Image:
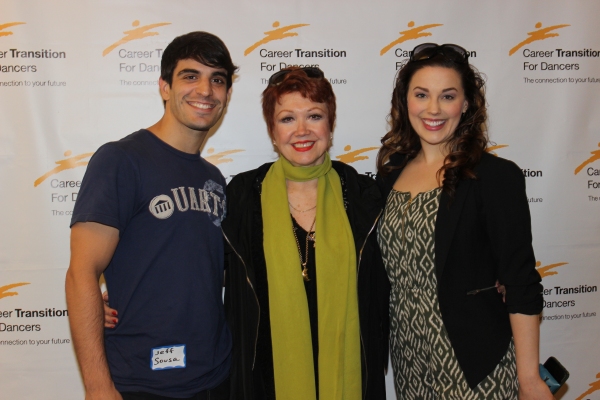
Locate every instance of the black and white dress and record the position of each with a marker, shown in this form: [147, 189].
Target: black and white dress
[424, 363]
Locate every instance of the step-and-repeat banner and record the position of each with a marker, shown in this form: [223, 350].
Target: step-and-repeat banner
[74, 75]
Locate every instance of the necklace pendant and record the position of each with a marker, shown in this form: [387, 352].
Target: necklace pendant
[305, 273]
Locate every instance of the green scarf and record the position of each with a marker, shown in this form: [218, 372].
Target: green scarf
[337, 300]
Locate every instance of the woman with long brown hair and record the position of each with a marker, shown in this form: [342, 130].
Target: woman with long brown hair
[456, 226]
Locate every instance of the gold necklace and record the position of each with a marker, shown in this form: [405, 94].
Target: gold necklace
[302, 211]
[308, 237]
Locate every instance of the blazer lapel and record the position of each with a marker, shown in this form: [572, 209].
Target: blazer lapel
[445, 225]
[387, 183]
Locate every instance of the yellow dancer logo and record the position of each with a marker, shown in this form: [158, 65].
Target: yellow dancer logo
[67, 163]
[594, 386]
[216, 159]
[539, 34]
[140, 32]
[4, 290]
[595, 157]
[353, 156]
[410, 34]
[492, 149]
[8, 25]
[546, 269]
[275, 34]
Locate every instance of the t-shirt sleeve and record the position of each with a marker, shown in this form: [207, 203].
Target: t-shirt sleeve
[108, 189]
[224, 183]
[218, 177]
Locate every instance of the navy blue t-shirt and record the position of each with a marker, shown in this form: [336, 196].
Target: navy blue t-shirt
[166, 276]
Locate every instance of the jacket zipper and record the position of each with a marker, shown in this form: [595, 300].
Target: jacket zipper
[253, 292]
[357, 273]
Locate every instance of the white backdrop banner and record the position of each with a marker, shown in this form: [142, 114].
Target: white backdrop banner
[74, 75]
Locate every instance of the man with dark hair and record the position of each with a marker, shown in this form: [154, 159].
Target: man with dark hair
[199, 46]
[148, 216]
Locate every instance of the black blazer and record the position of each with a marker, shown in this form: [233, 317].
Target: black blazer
[482, 235]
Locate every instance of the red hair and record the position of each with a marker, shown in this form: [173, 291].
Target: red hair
[318, 90]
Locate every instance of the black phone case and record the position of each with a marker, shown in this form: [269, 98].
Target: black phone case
[554, 374]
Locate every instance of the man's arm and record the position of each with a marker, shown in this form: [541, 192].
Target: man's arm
[92, 248]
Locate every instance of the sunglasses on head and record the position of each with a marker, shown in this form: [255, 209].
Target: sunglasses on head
[311, 72]
[426, 51]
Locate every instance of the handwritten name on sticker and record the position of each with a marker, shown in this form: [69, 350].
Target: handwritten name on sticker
[167, 357]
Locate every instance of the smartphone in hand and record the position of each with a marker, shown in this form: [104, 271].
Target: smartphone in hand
[554, 374]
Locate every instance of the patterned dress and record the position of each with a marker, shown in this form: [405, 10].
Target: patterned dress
[424, 363]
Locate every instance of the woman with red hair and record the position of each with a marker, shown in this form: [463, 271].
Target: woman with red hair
[306, 292]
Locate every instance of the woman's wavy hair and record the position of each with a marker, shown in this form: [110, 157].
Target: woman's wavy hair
[469, 140]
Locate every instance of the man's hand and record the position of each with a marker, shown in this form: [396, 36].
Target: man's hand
[501, 290]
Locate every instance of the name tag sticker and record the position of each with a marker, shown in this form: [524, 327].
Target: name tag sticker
[167, 357]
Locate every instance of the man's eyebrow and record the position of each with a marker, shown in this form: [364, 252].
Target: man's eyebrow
[188, 71]
[197, 72]
[220, 73]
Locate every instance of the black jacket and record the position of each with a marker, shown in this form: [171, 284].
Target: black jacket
[246, 294]
[482, 235]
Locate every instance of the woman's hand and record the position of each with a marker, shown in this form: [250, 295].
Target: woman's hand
[534, 388]
[110, 315]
